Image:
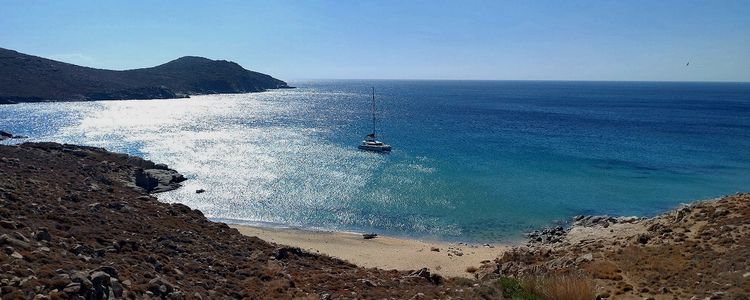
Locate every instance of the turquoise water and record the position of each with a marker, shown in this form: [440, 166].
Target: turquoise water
[479, 161]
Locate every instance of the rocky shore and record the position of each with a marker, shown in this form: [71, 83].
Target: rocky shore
[698, 251]
[81, 223]
[77, 223]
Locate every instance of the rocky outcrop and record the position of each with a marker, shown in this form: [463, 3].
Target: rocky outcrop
[27, 78]
[4, 135]
[157, 180]
[696, 251]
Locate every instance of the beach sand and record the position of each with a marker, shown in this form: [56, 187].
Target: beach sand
[382, 252]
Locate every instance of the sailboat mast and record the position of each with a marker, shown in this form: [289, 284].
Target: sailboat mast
[373, 111]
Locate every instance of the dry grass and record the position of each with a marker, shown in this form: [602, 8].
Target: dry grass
[559, 287]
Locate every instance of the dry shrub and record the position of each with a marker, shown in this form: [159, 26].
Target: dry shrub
[559, 287]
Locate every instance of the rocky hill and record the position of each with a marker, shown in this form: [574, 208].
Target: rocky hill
[77, 223]
[698, 251]
[27, 78]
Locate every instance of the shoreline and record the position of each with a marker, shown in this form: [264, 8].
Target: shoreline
[384, 252]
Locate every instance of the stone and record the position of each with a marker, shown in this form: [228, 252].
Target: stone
[12, 225]
[160, 286]
[117, 288]
[72, 288]
[16, 255]
[368, 283]
[5, 239]
[435, 249]
[99, 278]
[158, 180]
[200, 191]
[81, 278]
[111, 271]
[43, 235]
[643, 238]
[585, 258]
[369, 236]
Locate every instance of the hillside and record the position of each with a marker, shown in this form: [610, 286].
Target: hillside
[77, 223]
[698, 251]
[27, 78]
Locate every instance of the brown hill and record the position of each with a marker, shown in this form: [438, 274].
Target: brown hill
[73, 225]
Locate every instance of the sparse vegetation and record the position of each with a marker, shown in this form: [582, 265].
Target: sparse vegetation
[553, 287]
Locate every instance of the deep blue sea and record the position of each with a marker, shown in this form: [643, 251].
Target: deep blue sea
[477, 161]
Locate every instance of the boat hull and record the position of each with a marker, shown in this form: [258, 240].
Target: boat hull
[380, 148]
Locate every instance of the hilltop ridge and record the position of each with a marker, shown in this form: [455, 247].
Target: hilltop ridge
[28, 78]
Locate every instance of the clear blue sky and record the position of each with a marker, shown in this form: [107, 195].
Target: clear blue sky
[544, 40]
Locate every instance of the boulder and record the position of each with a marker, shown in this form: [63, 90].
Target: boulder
[43, 235]
[158, 180]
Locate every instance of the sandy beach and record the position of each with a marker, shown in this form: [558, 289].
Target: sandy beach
[383, 252]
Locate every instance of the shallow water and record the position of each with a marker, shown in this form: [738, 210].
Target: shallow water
[472, 160]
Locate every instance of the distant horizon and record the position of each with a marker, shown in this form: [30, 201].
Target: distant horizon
[549, 80]
[673, 41]
[402, 79]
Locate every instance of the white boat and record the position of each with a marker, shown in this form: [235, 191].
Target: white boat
[371, 143]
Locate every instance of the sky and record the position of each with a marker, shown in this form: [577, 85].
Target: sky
[381, 39]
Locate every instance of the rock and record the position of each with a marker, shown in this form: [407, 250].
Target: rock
[368, 236]
[585, 258]
[664, 290]
[5, 239]
[111, 271]
[81, 249]
[81, 278]
[368, 283]
[72, 288]
[720, 212]
[435, 249]
[12, 225]
[425, 273]
[99, 278]
[16, 255]
[160, 286]
[157, 180]
[5, 135]
[43, 235]
[643, 238]
[200, 191]
[161, 166]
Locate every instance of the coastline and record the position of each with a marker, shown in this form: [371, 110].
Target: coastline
[383, 252]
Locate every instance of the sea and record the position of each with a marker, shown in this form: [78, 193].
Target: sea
[472, 161]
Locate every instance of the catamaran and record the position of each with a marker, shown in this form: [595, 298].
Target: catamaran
[370, 143]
